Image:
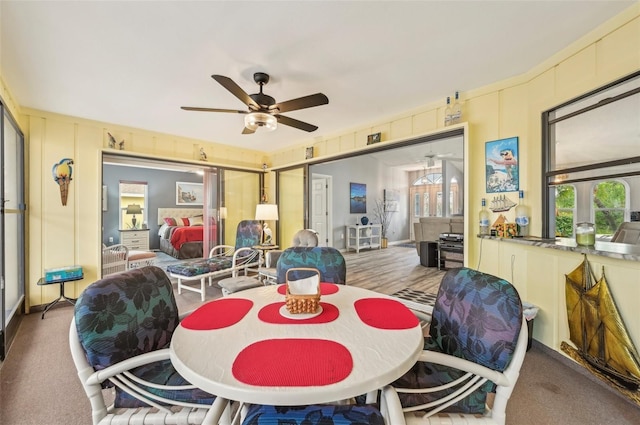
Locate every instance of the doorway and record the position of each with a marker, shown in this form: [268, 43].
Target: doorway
[321, 195]
[12, 230]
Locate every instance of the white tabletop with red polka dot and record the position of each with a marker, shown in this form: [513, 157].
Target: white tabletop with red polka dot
[247, 347]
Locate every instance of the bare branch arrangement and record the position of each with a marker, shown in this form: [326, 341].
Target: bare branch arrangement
[383, 216]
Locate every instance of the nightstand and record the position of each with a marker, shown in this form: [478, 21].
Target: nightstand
[135, 239]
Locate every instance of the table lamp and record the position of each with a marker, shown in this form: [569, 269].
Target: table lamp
[134, 209]
[266, 212]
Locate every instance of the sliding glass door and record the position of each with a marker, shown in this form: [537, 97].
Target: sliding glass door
[12, 234]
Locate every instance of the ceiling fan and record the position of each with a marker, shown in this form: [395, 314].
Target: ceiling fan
[263, 110]
[430, 162]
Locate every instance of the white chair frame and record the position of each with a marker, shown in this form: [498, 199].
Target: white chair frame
[174, 413]
[476, 376]
[115, 259]
[238, 264]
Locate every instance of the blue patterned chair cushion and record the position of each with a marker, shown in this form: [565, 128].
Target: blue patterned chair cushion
[127, 314]
[202, 266]
[476, 317]
[313, 415]
[329, 261]
[248, 233]
[162, 373]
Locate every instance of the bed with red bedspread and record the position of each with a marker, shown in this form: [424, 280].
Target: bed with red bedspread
[184, 241]
[181, 232]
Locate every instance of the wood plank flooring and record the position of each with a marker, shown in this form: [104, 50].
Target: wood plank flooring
[382, 270]
[390, 270]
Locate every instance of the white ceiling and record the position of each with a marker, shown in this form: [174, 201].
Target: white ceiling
[136, 63]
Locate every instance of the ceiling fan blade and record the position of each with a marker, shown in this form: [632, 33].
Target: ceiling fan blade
[236, 90]
[301, 125]
[195, 108]
[247, 131]
[301, 103]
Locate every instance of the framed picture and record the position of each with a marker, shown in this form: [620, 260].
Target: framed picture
[357, 198]
[374, 138]
[189, 193]
[501, 165]
[308, 152]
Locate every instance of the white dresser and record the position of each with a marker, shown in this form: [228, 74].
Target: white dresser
[135, 239]
[363, 236]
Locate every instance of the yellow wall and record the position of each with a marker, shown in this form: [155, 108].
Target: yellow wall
[65, 235]
[513, 108]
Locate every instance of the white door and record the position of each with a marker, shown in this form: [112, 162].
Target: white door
[320, 220]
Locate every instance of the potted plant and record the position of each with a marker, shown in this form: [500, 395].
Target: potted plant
[383, 216]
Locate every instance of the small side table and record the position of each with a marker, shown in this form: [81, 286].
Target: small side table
[62, 296]
[263, 251]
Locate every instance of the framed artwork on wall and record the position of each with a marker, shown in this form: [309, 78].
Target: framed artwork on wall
[189, 193]
[501, 165]
[374, 138]
[357, 198]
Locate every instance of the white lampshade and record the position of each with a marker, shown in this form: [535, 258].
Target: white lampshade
[266, 212]
[255, 120]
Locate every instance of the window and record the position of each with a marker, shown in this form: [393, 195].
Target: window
[133, 197]
[565, 197]
[610, 206]
[425, 202]
[592, 159]
[416, 205]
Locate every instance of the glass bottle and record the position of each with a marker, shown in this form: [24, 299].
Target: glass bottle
[447, 112]
[522, 216]
[484, 219]
[456, 110]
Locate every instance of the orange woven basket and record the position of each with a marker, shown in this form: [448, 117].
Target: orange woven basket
[302, 303]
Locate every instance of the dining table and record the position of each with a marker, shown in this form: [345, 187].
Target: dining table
[247, 347]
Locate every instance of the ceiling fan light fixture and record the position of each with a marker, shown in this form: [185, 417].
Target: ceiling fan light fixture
[255, 120]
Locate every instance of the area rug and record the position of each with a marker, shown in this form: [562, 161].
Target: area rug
[416, 300]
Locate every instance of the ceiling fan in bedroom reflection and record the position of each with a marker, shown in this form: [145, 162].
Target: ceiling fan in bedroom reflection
[263, 110]
[429, 159]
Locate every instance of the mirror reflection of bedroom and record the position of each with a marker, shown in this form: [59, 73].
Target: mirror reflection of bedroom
[160, 207]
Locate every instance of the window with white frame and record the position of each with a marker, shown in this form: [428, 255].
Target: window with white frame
[565, 197]
[610, 206]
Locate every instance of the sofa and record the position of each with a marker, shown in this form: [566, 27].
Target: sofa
[428, 229]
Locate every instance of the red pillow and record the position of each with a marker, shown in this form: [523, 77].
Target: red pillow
[185, 221]
[170, 221]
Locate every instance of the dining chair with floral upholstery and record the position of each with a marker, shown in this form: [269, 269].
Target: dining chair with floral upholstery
[119, 339]
[329, 262]
[476, 345]
[304, 238]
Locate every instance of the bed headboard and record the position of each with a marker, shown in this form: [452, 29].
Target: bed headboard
[177, 213]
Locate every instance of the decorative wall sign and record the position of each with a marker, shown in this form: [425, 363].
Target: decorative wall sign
[189, 193]
[357, 198]
[374, 138]
[501, 165]
[62, 172]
